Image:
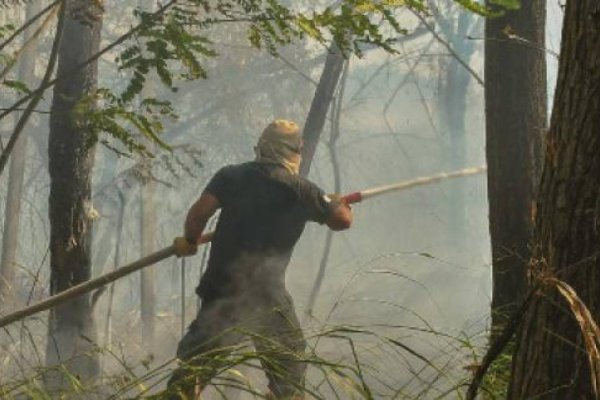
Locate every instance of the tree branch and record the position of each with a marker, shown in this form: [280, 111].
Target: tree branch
[36, 98]
[26, 25]
[28, 43]
[449, 48]
[93, 58]
[36, 95]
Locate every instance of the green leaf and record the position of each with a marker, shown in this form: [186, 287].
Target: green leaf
[309, 27]
[164, 74]
[254, 36]
[17, 85]
[477, 8]
[507, 4]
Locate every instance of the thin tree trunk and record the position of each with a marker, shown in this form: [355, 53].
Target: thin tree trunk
[550, 361]
[12, 211]
[320, 106]
[71, 328]
[515, 123]
[337, 187]
[116, 262]
[148, 235]
[453, 96]
[148, 284]
[324, 94]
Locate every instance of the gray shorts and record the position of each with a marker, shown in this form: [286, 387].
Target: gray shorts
[221, 326]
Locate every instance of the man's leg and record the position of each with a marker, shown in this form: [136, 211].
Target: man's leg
[203, 348]
[281, 343]
[194, 364]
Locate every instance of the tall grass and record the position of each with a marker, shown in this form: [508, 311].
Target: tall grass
[351, 362]
[413, 360]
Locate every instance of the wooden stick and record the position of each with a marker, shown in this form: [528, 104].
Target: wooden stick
[96, 283]
[87, 286]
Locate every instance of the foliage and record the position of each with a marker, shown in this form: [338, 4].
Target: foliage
[6, 29]
[347, 374]
[116, 116]
[493, 8]
[496, 380]
[9, 3]
[508, 4]
[172, 43]
[181, 162]
[17, 86]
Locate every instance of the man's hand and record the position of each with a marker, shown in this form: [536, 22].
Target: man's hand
[341, 216]
[338, 198]
[183, 248]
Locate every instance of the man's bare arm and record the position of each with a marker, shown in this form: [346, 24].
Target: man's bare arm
[198, 216]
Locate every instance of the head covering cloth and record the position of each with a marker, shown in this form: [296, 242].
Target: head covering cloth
[280, 143]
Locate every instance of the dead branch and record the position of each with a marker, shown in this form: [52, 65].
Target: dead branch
[444, 43]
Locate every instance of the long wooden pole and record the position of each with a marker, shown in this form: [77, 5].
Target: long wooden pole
[93, 284]
[170, 250]
[87, 286]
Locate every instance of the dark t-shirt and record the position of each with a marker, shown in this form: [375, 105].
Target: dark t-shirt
[264, 210]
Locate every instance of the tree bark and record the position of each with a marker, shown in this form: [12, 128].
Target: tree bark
[12, 211]
[515, 123]
[452, 98]
[148, 235]
[337, 187]
[550, 361]
[148, 284]
[320, 106]
[453, 93]
[71, 329]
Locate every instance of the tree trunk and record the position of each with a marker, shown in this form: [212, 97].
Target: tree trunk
[550, 361]
[337, 186]
[515, 123]
[71, 330]
[148, 234]
[12, 211]
[454, 108]
[148, 285]
[453, 95]
[320, 106]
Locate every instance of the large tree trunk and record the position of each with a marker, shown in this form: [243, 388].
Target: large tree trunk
[12, 211]
[550, 361]
[515, 98]
[71, 330]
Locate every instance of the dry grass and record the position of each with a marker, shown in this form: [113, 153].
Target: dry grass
[587, 325]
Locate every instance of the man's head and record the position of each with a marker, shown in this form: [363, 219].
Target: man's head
[280, 143]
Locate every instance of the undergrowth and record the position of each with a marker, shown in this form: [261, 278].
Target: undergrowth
[370, 361]
[346, 362]
[495, 382]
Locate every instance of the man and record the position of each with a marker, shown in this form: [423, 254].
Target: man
[264, 207]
